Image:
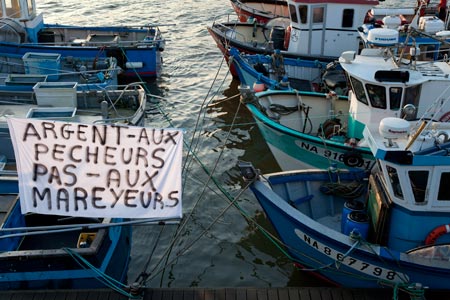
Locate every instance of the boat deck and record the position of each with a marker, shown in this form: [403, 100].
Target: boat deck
[289, 293]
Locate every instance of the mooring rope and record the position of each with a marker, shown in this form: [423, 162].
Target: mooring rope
[102, 277]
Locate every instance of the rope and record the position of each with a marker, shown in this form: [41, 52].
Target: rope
[350, 190]
[282, 109]
[143, 275]
[102, 277]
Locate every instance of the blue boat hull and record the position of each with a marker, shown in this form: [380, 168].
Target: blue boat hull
[339, 258]
[57, 259]
[149, 56]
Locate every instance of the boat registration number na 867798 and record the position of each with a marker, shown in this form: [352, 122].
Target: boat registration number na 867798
[351, 262]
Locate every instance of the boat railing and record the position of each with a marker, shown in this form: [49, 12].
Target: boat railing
[123, 92]
[85, 43]
[227, 17]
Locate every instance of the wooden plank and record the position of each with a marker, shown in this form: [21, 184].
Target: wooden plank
[188, 294]
[177, 294]
[199, 294]
[283, 294]
[231, 293]
[155, 295]
[220, 294]
[327, 293]
[315, 294]
[289, 293]
[304, 294]
[251, 294]
[209, 294]
[273, 294]
[241, 294]
[261, 294]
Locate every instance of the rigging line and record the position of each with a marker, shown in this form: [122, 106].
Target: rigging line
[210, 178]
[223, 100]
[188, 246]
[185, 171]
[136, 72]
[102, 277]
[188, 162]
[144, 273]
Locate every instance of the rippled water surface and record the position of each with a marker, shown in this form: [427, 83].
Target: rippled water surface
[216, 245]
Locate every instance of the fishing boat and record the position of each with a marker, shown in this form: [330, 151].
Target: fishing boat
[50, 251]
[137, 49]
[19, 74]
[275, 72]
[310, 129]
[385, 227]
[306, 129]
[54, 252]
[118, 105]
[82, 167]
[312, 32]
[260, 11]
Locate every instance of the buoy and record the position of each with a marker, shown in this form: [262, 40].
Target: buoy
[259, 86]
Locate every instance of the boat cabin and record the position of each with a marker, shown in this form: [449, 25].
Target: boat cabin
[325, 28]
[412, 184]
[19, 22]
[382, 87]
[21, 10]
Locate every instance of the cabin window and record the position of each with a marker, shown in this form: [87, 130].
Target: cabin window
[430, 53]
[411, 97]
[395, 97]
[318, 13]
[419, 180]
[30, 7]
[347, 18]
[12, 8]
[444, 190]
[377, 95]
[303, 11]
[395, 182]
[293, 13]
[358, 89]
[444, 52]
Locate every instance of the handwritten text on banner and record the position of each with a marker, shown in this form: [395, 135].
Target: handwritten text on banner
[97, 170]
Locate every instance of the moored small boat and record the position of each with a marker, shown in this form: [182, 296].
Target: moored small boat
[314, 129]
[322, 31]
[261, 11]
[120, 105]
[19, 74]
[54, 252]
[137, 49]
[276, 72]
[385, 227]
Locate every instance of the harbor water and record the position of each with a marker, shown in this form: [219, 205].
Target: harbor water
[218, 243]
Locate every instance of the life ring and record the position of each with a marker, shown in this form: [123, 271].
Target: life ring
[352, 159]
[287, 37]
[437, 233]
[445, 117]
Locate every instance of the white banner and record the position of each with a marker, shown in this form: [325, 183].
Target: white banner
[85, 170]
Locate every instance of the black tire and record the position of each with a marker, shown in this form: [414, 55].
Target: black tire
[353, 159]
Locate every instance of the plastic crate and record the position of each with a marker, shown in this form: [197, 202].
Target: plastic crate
[56, 94]
[43, 63]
